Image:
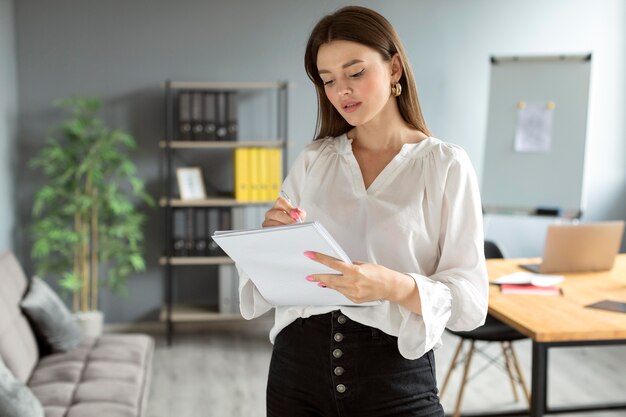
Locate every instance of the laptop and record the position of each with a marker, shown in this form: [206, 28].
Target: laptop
[583, 247]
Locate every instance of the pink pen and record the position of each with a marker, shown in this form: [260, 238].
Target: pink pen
[293, 213]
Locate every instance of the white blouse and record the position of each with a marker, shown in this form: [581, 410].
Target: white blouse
[421, 216]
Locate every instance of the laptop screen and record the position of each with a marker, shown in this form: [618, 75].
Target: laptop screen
[581, 247]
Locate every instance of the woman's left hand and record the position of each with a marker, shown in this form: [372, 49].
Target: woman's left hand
[359, 282]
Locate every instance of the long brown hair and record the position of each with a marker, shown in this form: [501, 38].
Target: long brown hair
[369, 28]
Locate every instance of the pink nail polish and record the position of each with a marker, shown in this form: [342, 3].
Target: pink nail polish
[321, 285]
[310, 255]
[310, 278]
[295, 214]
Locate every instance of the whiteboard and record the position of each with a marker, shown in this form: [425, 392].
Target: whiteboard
[514, 181]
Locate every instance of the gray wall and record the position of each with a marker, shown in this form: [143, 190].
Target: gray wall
[8, 122]
[123, 51]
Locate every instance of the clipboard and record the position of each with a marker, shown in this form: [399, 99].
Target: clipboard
[274, 259]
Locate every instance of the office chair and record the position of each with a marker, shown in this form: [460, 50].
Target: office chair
[492, 331]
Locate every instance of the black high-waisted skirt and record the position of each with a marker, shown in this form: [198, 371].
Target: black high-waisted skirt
[328, 365]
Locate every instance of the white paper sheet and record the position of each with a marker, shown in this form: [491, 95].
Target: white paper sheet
[534, 128]
[274, 259]
[521, 278]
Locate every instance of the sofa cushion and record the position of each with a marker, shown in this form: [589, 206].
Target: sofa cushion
[18, 346]
[108, 376]
[16, 400]
[50, 317]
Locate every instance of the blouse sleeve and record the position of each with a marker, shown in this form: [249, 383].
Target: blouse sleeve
[251, 302]
[456, 295]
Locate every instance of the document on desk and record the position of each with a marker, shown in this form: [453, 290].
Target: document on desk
[274, 259]
[528, 278]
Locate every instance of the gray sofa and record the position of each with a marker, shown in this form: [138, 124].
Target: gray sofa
[106, 376]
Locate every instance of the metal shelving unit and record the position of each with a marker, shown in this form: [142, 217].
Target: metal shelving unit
[173, 310]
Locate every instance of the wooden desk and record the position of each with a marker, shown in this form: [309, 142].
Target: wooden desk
[561, 321]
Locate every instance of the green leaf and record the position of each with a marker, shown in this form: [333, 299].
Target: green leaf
[137, 262]
[127, 168]
[71, 282]
[41, 249]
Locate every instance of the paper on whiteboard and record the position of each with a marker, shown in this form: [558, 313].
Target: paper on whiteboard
[534, 128]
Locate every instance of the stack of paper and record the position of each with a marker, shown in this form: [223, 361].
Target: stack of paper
[529, 283]
[529, 289]
[274, 259]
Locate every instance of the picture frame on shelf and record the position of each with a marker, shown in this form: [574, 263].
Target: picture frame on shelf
[190, 183]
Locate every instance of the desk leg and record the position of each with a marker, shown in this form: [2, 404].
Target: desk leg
[539, 380]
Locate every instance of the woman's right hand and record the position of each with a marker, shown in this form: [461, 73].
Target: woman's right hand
[282, 213]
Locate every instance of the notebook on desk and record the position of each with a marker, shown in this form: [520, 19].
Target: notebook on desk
[579, 247]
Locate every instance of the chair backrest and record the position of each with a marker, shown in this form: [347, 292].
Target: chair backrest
[492, 251]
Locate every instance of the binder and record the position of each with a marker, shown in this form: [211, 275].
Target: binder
[275, 172]
[253, 163]
[178, 232]
[201, 232]
[184, 116]
[190, 243]
[225, 218]
[225, 223]
[208, 240]
[221, 132]
[274, 259]
[242, 174]
[231, 115]
[209, 116]
[197, 119]
[263, 175]
[213, 225]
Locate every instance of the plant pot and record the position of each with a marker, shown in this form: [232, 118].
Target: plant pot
[90, 323]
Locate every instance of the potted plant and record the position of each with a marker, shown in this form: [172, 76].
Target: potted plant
[87, 229]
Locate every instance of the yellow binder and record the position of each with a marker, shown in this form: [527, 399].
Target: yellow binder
[263, 174]
[275, 172]
[255, 190]
[242, 174]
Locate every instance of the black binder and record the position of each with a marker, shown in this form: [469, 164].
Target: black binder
[178, 232]
[221, 111]
[197, 116]
[200, 242]
[226, 223]
[183, 122]
[189, 232]
[209, 116]
[231, 115]
[214, 224]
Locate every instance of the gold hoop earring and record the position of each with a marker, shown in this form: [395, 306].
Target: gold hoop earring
[396, 89]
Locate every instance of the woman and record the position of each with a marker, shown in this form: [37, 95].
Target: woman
[400, 201]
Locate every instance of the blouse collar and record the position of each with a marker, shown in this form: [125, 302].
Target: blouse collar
[408, 150]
